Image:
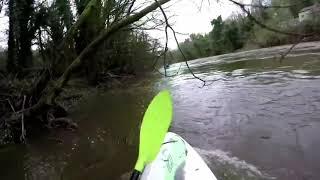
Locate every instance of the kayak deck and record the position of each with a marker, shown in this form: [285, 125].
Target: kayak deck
[177, 160]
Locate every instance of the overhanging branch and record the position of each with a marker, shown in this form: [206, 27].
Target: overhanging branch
[55, 91]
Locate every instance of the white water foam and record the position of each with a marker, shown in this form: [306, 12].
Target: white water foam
[225, 158]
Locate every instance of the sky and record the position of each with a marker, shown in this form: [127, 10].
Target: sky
[3, 29]
[188, 18]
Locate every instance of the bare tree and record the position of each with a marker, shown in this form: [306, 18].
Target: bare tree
[47, 99]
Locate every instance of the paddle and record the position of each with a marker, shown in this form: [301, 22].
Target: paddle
[154, 127]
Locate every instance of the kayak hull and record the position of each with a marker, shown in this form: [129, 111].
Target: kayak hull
[177, 160]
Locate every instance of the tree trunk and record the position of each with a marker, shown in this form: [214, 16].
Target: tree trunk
[12, 59]
[20, 37]
[25, 12]
[89, 30]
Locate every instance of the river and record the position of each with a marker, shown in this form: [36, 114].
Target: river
[257, 118]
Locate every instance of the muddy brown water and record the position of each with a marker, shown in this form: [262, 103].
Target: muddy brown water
[259, 119]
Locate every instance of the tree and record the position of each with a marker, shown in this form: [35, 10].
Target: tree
[297, 5]
[12, 63]
[231, 37]
[25, 13]
[89, 30]
[41, 97]
[24, 21]
[216, 35]
[20, 35]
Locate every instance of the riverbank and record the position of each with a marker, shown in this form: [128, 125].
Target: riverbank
[76, 91]
[277, 51]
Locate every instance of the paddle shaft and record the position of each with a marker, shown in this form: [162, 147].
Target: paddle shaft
[135, 175]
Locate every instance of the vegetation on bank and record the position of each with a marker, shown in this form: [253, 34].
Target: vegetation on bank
[239, 31]
[50, 43]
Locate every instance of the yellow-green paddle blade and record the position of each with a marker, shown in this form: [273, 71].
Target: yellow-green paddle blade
[154, 127]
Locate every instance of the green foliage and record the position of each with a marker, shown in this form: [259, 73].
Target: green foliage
[298, 5]
[266, 38]
[226, 36]
[47, 25]
[127, 52]
[64, 12]
[311, 26]
[61, 36]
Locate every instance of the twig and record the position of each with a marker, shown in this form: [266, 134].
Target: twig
[201, 5]
[23, 131]
[290, 49]
[180, 50]
[185, 59]
[12, 108]
[166, 75]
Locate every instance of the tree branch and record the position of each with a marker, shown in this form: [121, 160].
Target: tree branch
[54, 91]
[70, 33]
[176, 40]
[290, 49]
[130, 7]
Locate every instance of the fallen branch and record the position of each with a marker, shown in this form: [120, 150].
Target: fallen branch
[72, 30]
[47, 99]
[100, 39]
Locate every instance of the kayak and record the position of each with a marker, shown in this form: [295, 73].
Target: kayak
[177, 160]
[162, 155]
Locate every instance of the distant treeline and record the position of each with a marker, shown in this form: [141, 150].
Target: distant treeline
[240, 32]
